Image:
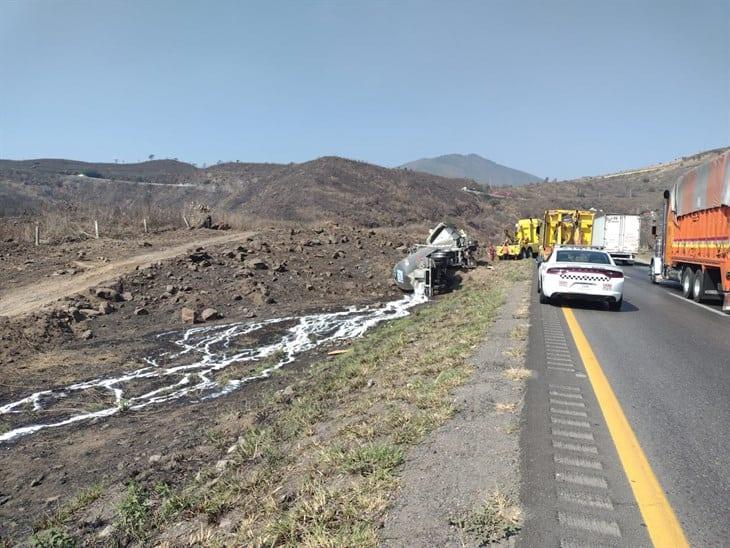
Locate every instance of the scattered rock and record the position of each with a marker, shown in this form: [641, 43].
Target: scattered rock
[210, 314]
[141, 311]
[86, 335]
[89, 312]
[106, 532]
[154, 459]
[188, 315]
[106, 308]
[107, 293]
[199, 256]
[127, 296]
[256, 264]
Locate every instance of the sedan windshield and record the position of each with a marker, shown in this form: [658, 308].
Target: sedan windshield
[581, 256]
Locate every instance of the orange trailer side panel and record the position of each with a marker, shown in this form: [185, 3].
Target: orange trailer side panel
[701, 238]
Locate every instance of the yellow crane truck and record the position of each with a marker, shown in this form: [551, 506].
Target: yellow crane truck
[565, 227]
[525, 243]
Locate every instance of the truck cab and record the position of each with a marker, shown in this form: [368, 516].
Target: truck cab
[525, 243]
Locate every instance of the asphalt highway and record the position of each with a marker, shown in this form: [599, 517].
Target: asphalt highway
[667, 361]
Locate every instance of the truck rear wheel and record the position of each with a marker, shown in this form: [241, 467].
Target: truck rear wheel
[687, 282]
[700, 284]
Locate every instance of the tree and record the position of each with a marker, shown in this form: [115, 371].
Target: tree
[151, 157]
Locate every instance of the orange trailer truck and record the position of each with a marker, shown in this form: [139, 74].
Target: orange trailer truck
[693, 246]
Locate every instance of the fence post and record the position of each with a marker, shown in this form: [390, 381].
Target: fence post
[37, 235]
[144, 222]
[96, 228]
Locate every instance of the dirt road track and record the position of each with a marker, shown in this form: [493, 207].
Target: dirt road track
[29, 298]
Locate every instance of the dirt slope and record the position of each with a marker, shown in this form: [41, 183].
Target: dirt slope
[29, 298]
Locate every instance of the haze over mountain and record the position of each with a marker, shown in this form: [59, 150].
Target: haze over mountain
[473, 166]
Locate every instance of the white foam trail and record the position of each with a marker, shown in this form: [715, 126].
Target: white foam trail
[201, 352]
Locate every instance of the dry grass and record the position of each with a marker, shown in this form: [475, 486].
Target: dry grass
[496, 519]
[519, 333]
[517, 373]
[76, 222]
[516, 352]
[505, 407]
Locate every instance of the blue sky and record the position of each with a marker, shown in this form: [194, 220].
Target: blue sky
[558, 88]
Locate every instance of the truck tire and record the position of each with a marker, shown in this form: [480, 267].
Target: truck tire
[687, 282]
[528, 253]
[652, 276]
[522, 253]
[701, 282]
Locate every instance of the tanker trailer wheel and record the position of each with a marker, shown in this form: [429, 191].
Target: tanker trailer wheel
[702, 282]
[687, 282]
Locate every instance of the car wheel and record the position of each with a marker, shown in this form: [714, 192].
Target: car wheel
[544, 299]
[687, 282]
[700, 284]
[615, 306]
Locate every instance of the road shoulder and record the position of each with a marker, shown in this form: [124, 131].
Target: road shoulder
[460, 484]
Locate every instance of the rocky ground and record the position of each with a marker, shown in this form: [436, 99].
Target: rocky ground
[110, 327]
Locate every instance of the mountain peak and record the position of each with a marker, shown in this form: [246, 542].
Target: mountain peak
[473, 166]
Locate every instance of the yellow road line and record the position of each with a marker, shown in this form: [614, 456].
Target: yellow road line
[663, 526]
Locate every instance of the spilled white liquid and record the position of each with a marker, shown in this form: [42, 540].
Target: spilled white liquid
[189, 371]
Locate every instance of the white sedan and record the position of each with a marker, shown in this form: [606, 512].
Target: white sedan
[581, 273]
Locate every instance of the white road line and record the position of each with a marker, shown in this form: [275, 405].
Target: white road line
[582, 479]
[564, 387]
[577, 462]
[592, 525]
[582, 447]
[689, 301]
[569, 412]
[570, 422]
[585, 499]
[567, 403]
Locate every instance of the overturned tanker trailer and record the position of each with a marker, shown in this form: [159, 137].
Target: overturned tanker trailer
[427, 268]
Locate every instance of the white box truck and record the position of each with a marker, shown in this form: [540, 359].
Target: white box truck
[617, 234]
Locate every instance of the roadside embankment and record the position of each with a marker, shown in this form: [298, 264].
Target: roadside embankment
[320, 461]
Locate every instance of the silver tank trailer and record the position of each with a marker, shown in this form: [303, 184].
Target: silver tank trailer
[426, 269]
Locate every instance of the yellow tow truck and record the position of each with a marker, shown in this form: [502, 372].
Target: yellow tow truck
[566, 227]
[524, 244]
